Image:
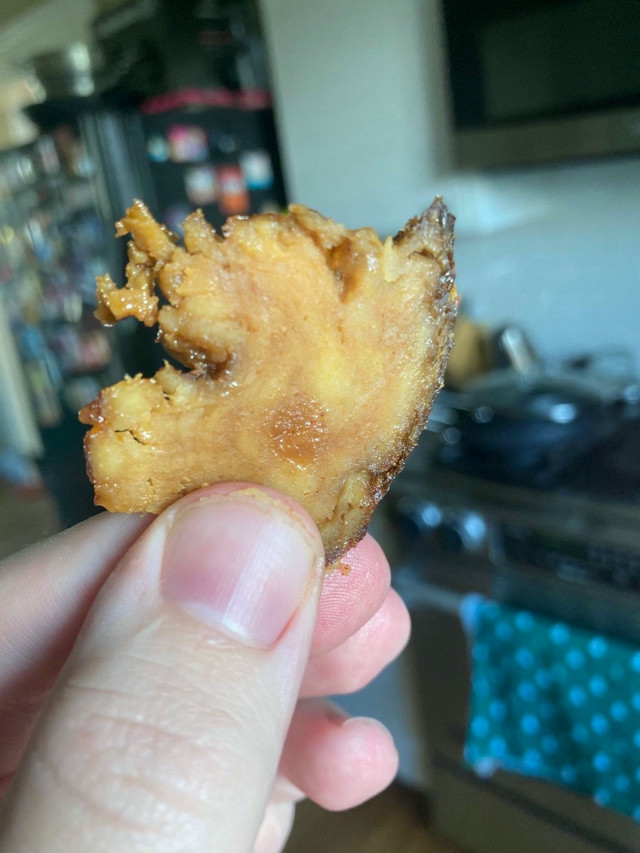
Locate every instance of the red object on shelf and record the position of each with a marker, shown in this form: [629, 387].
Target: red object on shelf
[233, 197]
[249, 99]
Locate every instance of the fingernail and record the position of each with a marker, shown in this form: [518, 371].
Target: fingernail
[240, 563]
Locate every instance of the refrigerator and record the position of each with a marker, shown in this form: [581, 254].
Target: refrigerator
[56, 235]
[188, 124]
[211, 149]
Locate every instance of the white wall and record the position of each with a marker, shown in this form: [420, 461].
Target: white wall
[571, 272]
[363, 122]
[357, 117]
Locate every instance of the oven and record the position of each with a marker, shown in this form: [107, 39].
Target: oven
[571, 557]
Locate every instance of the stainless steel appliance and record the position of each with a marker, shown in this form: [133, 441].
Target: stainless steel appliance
[572, 553]
[543, 80]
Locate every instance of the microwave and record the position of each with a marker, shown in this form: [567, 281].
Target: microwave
[534, 81]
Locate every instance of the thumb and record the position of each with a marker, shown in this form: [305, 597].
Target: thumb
[166, 727]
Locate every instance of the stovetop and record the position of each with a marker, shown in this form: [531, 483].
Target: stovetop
[596, 499]
[572, 552]
[610, 471]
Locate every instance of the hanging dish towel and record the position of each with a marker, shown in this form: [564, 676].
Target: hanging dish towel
[554, 701]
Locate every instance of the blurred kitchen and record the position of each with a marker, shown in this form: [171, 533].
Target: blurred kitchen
[514, 532]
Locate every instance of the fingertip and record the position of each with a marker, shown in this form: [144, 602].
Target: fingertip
[398, 618]
[370, 764]
[251, 491]
[348, 601]
[337, 761]
[360, 658]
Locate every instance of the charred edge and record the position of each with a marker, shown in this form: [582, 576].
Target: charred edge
[437, 214]
[380, 481]
[433, 234]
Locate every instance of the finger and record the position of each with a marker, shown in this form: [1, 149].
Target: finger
[45, 590]
[364, 655]
[168, 721]
[336, 760]
[349, 601]
[45, 594]
[278, 817]
[275, 828]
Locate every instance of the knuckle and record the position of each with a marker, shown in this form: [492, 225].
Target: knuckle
[126, 773]
[142, 755]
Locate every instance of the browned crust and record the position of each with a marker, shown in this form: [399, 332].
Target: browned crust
[431, 233]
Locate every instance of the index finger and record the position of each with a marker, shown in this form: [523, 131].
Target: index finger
[348, 601]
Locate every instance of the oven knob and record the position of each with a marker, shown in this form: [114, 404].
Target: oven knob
[416, 517]
[466, 531]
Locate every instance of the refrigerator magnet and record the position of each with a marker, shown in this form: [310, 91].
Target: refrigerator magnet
[187, 143]
[200, 184]
[233, 196]
[257, 169]
[158, 149]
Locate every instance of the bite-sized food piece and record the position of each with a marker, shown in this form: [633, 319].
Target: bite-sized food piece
[314, 352]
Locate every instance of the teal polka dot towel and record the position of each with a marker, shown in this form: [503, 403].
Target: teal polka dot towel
[554, 701]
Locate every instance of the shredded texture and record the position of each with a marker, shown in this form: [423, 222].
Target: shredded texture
[314, 354]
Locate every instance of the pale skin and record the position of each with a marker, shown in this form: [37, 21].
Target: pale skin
[128, 724]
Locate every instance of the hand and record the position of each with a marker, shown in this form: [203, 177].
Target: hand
[158, 679]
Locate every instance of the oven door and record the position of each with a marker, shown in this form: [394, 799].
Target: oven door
[506, 812]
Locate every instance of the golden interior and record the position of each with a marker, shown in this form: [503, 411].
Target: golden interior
[314, 355]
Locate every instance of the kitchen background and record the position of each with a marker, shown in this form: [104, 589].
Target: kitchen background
[516, 521]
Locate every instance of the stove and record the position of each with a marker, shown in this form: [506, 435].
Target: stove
[604, 465]
[570, 552]
[544, 548]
